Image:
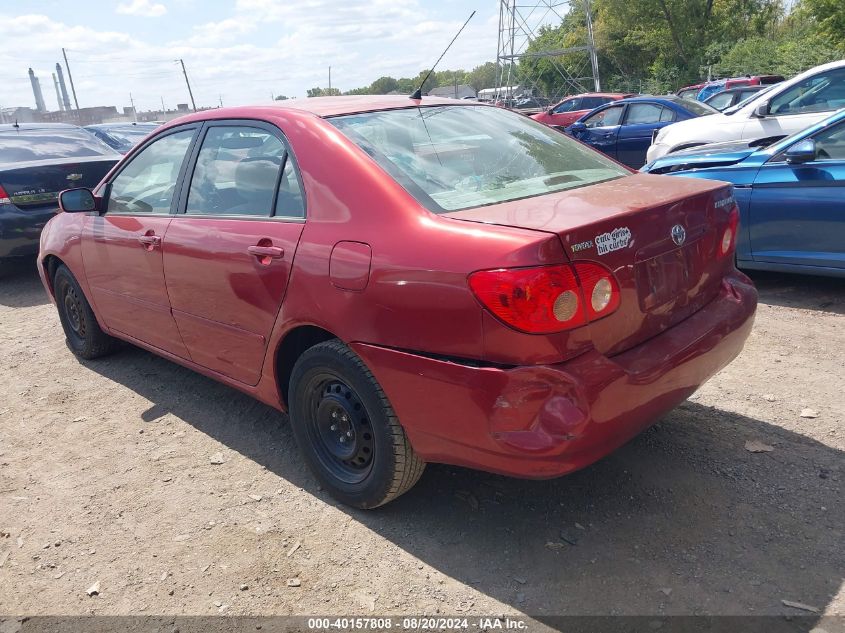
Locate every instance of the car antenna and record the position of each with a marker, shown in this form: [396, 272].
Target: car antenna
[16, 124]
[417, 94]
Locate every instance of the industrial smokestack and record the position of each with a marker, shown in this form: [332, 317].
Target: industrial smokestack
[36, 91]
[58, 94]
[65, 98]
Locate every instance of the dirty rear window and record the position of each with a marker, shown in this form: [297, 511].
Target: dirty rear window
[458, 157]
[18, 146]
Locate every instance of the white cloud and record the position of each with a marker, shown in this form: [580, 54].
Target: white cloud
[143, 8]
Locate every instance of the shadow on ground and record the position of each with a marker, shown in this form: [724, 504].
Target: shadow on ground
[681, 520]
[800, 291]
[20, 285]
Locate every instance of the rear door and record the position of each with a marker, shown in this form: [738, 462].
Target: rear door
[797, 212]
[602, 129]
[229, 251]
[641, 120]
[122, 248]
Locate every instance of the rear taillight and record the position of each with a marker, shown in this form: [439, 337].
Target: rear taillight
[728, 241]
[545, 299]
[4, 197]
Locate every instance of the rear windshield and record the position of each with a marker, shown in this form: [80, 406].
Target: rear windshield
[18, 146]
[697, 107]
[457, 157]
[125, 138]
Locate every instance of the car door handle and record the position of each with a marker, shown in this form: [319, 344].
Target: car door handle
[149, 242]
[273, 252]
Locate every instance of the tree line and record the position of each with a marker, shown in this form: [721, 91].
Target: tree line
[657, 46]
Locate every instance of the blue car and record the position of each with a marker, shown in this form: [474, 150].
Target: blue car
[623, 129]
[790, 192]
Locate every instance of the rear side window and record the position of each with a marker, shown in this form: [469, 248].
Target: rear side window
[236, 172]
[640, 113]
[147, 182]
[18, 146]
[458, 157]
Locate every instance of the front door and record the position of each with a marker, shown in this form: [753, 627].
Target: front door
[228, 252]
[122, 248]
[797, 211]
[602, 129]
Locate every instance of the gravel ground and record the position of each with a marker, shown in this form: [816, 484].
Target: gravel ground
[107, 476]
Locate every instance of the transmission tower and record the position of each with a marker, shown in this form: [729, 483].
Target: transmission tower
[520, 22]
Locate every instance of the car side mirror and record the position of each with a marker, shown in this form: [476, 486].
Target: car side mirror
[80, 200]
[802, 152]
[762, 110]
[577, 127]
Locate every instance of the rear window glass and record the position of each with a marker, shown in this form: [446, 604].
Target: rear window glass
[125, 138]
[17, 146]
[696, 107]
[458, 157]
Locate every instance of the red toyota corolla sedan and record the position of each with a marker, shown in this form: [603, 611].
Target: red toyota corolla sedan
[414, 281]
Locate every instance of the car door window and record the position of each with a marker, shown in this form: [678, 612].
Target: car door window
[830, 144]
[147, 182]
[289, 201]
[640, 113]
[822, 92]
[605, 118]
[567, 106]
[236, 172]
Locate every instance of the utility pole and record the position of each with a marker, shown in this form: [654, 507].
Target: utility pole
[330, 80]
[188, 83]
[591, 42]
[163, 109]
[221, 101]
[134, 113]
[70, 77]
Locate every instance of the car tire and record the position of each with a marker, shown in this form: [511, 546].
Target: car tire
[347, 430]
[83, 333]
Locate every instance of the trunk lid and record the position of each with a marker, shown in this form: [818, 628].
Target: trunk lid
[38, 183]
[627, 225]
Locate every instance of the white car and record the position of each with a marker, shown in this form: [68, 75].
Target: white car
[781, 110]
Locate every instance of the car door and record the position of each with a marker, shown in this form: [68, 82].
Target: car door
[797, 212]
[800, 106]
[601, 129]
[635, 134]
[229, 250]
[122, 247]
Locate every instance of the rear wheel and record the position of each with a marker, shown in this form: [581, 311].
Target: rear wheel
[84, 336]
[347, 430]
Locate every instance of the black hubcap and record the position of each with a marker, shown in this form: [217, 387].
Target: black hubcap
[340, 429]
[73, 312]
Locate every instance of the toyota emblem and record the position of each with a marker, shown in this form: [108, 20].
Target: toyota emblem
[678, 234]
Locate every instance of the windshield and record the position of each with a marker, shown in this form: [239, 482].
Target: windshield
[457, 157]
[18, 146]
[698, 108]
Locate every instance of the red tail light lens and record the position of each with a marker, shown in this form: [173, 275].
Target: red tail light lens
[4, 197]
[728, 242]
[545, 299]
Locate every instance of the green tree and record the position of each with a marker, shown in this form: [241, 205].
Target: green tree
[281, 98]
[323, 92]
[829, 18]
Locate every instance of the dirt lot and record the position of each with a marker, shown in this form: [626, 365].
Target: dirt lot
[106, 476]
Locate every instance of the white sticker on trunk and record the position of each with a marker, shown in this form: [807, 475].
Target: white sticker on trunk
[613, 241]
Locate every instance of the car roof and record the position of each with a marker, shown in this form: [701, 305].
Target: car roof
[353, 104]
[38, 126]
[673, 99]
[117, 126]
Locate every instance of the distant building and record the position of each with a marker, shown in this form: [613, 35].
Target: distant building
[19, 115]
[454, 92]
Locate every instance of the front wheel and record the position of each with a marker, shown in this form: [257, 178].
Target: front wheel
[347, 430]
[84, 336]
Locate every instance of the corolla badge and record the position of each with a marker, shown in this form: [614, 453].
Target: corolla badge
[679, 235]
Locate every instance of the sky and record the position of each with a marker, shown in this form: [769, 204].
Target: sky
[235, 51]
